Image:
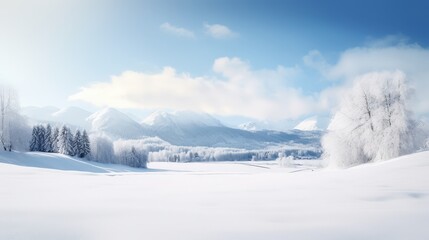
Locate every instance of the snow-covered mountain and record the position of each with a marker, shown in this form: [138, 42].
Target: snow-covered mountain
[191, 129]
[183, 128]
[277, 125]
[73, 115]
[181, 118]
[309, 124]
[115, 123]
[200, 129]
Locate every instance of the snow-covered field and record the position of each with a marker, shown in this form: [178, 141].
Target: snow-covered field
[50, 196]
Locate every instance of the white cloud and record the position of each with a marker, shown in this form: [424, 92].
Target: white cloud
[264, 94]
[261, 94]
[178, 31]
[219, 31]
[381, 55]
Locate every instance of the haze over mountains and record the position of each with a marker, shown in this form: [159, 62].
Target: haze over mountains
[182, 128]
[74, 116]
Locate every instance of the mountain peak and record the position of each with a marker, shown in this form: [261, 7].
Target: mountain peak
[309, 124]
[181, 118]
[115, 122]
[107, 114]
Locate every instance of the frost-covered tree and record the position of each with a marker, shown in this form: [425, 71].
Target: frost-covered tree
[55, 139]
[86, 145]
[130, 156]
[77, 144]
[41, 135]
[65, 143]
[14, 131]
[102, 149]
[48, 139]
[41, 139]
[33, 143]
[7, 105]
[372, 123]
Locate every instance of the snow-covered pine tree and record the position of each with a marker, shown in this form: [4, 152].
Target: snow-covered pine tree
[62, 140]
[77, 144]
[41, 138]
[86, 146]
[65, 143]
[55, 139]
[71, 151]
[33, 142]
[71, 143]
[48, 139]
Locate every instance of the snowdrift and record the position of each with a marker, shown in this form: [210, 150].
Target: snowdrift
[386, 200]
[58, 161]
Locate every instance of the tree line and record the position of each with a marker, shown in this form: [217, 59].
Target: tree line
[56, 140]
[17, 134]
[104, 150]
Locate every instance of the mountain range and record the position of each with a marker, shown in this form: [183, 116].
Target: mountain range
[182, 128]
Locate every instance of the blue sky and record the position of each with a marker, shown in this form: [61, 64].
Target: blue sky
[51, 50]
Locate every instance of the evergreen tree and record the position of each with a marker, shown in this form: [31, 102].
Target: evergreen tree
[54, 140]
[71, 143]
[78, 144]
[41, 138]
[86, 146]
[48, 139]
[65, 143]
[33, 142]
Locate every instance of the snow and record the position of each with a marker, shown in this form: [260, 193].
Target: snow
[160, 118]
[249, 126]
[114, 122]
[186, 128]
[273, 125]
[373, 122]
[234, 200]
[309, 124]
[180, 128]
[58, 161]
[156, 118]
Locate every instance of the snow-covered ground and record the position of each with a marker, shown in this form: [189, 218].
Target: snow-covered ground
[236, 200]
